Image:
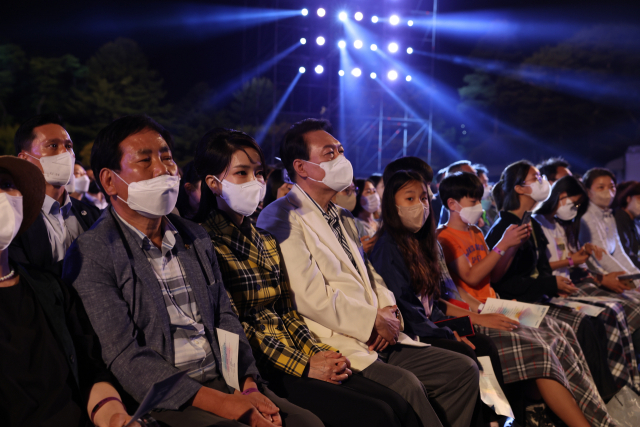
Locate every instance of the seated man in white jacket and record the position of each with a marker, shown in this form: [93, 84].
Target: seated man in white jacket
[344, 303]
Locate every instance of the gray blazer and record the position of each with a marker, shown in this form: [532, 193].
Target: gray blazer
[124, 302]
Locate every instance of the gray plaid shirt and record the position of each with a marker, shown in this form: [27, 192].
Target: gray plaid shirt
[192, 350]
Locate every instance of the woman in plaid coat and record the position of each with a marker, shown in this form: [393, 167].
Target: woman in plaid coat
[310, 374]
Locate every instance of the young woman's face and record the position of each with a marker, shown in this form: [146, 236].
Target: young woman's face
[563, 199]
[412, 193]
[245, 166]
[603, 183]
[369, 189]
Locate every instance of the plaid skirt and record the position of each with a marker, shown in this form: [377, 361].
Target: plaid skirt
[550, 351]
[630, 301]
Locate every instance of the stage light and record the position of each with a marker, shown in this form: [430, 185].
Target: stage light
[393, 47]
[373, 75]
[374, 47]
[320, 40]
[356, 72]
[319, 69]
[410, 23]
[342, 44]
[302, 70]
[394, 20]
[304, 12]
[464, 132]
[408, 78]
[392, 75]
[357, 44]
[358, 16]
[321, 12]
[409, 50]
[374, 19]
[341, 73]
[303, 41]
[342, 16]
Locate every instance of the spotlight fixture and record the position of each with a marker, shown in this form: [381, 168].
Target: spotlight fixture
[342, 16]
[321, 12]
[374, 47]
[393, 74]
[320, 41]
[393, 47]
[410, 23]
[302, 70]
[304, 12]
[303, 41]
[408, 78]
[373, 75]
[409, 50]
[341, 73]
[374, 19]
[342, 44]
[394, 20]
[356, 72]
[358, 16]
[319, 69]
[357, 44]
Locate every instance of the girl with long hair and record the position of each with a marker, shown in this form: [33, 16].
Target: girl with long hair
[626, 209]
[411, 262]
[367, 204]
[306, 372]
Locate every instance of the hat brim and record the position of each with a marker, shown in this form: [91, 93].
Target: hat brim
[29, 180]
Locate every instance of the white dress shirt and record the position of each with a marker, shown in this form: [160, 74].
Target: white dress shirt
[62, 225]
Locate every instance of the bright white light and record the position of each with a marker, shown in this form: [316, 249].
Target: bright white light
[392, 75]
[358, 16]
[304, 12]
[373, 75]
[409, 50]
[394, 20]
[357, 44]
[410, 23]
[464, 132]
[393, 47]
[342, 16]
[374, 47]
[374, 19]
[342, 44]
[319, 69]
[356, 72]
[341, 73]
[303, 41]
[302, 70]
[320, 40]
[408, 78]
[321, 12]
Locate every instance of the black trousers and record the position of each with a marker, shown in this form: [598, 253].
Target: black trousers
[592, 335]
[356, 402]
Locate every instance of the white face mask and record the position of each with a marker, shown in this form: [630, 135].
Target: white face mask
[10, 218]
[371, 203]
[567, 212]
[413, 217]
[347, 202]
[540, 190]
[634, 207]
[82, 184]
[243, 198]
[602, 198]
[153, 198]
[471, 214]
[71, 186]
[338, 173]
[58, 169]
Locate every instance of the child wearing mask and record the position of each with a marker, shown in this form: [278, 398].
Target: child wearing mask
[367, 204]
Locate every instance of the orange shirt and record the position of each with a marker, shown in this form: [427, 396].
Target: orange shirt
[471, 244]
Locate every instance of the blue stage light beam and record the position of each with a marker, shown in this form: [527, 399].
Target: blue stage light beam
[276, 110]
[230, 87]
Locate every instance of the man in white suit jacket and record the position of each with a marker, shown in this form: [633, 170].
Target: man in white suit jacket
[341, 298]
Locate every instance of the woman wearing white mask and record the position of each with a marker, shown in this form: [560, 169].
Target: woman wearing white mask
[367, 204]
[626, 207]
[598, 226]
[78, 186]
[305, 371]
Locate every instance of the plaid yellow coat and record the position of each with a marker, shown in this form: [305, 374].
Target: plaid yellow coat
[258, 287]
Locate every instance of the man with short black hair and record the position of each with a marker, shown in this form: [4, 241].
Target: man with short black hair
[459, 166]
[342, 299]
[43, 141]
[554, 169]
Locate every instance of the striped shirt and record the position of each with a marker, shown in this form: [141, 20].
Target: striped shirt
[192, 350]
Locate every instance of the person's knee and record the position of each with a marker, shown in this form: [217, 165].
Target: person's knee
[408, 384]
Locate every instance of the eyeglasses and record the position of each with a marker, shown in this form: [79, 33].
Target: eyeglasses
[351, 190]
[538, 178]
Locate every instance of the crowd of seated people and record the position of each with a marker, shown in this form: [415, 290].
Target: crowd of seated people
[120, 274]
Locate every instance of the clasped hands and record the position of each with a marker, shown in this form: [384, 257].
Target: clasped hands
[386, 328]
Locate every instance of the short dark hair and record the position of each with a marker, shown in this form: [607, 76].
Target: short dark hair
[409, 163]
[625, 190]
[549, 167]
[457, 166]
[594, 173]
[375, 179]
[481, 169]
[294, 146]
[106, 152]
[24, 135]
[459, 185]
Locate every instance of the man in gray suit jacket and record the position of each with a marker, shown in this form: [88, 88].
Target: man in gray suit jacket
[152, 288]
